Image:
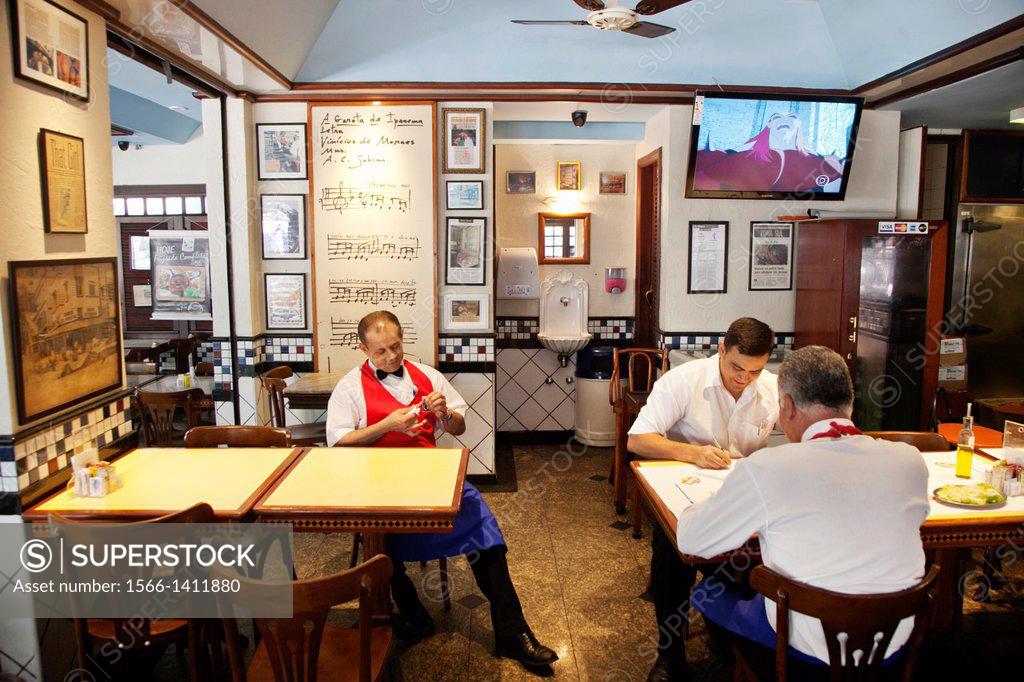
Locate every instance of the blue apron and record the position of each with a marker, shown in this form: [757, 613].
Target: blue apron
[475, 529]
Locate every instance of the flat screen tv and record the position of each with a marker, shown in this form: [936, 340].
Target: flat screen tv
[762, 146]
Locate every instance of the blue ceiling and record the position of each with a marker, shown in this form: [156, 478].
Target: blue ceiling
[140, 100]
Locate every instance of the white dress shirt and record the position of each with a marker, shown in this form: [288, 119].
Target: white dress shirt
[842, 514]
[689, 404]
[346, 410]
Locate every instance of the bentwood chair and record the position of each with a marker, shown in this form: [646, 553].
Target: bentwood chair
[157, 412]
[204, 369]
[925, 441]
[302, 434]
[237, 437]
[304, 647]
[857, 628]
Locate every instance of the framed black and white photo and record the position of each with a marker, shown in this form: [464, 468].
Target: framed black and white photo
[771, 256]
[463, 140]
[466, 262]
[51, 47]
[467, 312]
[283, 224]
[709, 256]
[285, 300]
[281, 151]
[521, 182]
[465, 195]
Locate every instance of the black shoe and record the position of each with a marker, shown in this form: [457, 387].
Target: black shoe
[412, 629]
[665, 670]
[525, 648]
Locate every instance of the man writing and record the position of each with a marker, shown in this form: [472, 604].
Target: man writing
[389, 401]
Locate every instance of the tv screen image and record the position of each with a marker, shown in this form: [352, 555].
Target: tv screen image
[763, 146]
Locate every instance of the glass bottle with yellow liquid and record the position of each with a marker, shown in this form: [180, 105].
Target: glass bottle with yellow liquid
[965, 446]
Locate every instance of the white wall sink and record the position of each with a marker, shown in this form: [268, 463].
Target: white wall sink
[564, 345]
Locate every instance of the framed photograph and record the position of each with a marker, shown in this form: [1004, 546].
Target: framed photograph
[709, 256]
[142, 296]
[281, 151]
[463, 140]
[66, 325]
[181, 275]
[286, 300]
[465, 195]
[467, 239]
[613, 183]
[467, 312]
[569, 175]
[283, 224]
[51, 47]
[771, 256]
[62, 161]
[520, 182]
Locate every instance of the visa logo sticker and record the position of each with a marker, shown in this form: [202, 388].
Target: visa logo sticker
[902, 227]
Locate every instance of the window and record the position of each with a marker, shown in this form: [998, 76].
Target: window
[564, 238]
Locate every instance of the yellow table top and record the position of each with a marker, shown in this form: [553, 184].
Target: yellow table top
[377, 478]
[159, 480]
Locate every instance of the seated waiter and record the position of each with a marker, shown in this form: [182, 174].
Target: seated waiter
[704, 412]
[379, 404]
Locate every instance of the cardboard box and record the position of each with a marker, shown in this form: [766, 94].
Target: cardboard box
[952, 351]
[953, 378]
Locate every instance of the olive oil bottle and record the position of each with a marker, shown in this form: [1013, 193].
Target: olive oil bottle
[965, 446]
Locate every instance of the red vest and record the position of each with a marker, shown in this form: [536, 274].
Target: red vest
[380, 403]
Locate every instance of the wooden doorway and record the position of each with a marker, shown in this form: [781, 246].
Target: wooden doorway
[648, 250]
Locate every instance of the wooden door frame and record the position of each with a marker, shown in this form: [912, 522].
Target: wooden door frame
[651, 159]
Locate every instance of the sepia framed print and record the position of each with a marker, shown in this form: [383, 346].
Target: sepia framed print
[569, 175]
[464, 140]
[465, 195]
[467, 312]
[51, 47]
[613, 182]
[66, 324]
[467, 260]
[283, 226]
[709, 255]
[285, 300]
[62, 161]
[771, 256]
[281, 151]
[521, 182]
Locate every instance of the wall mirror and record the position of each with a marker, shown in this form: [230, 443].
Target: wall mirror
[564, 238]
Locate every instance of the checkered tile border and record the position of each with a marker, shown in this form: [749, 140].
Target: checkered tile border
[253, 352]
[465, 349]
[611, 327]
[708, 341]
[526, 328]
[522, 328]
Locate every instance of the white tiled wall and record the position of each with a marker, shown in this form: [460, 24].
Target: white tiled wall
[534, 393]
[934, 194]
[478, 391]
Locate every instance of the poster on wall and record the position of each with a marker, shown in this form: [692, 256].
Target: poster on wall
[771, 256]
[51, 47]
[709, 251]
[466, 260]
[181, 275]
[281, 151]
[286, 300]
[464, 141]
[63, 166]
[373, 226]
[66, 328]
[283, 224]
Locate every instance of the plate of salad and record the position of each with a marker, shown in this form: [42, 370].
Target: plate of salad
[976, 496]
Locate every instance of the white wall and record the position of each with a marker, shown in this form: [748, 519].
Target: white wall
[612, 216]
[163, 164]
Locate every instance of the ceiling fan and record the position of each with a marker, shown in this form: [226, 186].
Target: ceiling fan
[612, 16]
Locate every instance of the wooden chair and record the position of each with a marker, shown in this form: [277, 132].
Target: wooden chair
[641, 373]
[924, 441]
[184, 350]
[304, 647]
[157, 411]
[851, 623]
[237, 437]
[204, 369]
[302, 434]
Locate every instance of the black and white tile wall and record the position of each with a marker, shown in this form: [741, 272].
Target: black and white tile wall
[610, 328]
[477, 389]
[707, 342]
[465, 349]
[534, 393]
[516, 328]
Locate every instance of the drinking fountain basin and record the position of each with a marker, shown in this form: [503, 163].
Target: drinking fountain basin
[564, 345]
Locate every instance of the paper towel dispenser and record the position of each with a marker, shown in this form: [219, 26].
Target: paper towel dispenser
[518, 276]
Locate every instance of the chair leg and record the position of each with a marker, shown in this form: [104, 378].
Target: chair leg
[446, 592]
[620, 464]
[357, 538]
[638, 511]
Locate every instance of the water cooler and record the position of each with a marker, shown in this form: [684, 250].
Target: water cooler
[595, 421]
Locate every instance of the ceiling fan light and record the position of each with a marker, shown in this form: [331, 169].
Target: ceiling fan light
[1017, 115]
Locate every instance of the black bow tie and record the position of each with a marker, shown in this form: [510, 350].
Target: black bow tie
[400, 372]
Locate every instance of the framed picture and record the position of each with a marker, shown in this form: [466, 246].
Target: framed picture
[181, 275]
[709, 255]
[51, 47]
[467, 312]
[142, 296]
[771, 256]
[467, 238]
[281, 151]
[286, 300]
[569, 173]
[62, 161]
[613, 183]
[465, 195]
[139, 247]
[66, 325]
[283, 224]
[520, 182]
[463, 140]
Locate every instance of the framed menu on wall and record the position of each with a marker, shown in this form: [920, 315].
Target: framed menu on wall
[181, 275]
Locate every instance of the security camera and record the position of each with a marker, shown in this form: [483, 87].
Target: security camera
[579, 118]
[122, 145]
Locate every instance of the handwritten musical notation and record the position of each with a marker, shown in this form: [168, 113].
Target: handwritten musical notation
[372, 292]
[374, 197]
[372, 247]
[344, 333]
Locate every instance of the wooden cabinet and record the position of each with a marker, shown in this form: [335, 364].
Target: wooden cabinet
[993, 166]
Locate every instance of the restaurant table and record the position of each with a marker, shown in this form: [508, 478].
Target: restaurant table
[311, 391]
[160, 481]
[949, 533]
[373, 491]
[984, 437]
[168, 383]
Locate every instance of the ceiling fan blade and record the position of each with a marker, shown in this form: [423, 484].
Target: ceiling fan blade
[649, 7]
[531, 22]
[646, 29]
[590, 5]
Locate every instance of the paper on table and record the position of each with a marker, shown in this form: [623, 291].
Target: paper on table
[665, 479]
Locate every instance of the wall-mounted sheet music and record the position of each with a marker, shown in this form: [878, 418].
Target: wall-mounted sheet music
[372, 193]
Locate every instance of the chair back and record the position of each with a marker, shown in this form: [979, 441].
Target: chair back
[156, 411]
[204, 369]
[275, 391]
[924, 441]
[293, 644]
[237, 437]
[183, 349]
[857, 628]
[642, 366]
[282, 372]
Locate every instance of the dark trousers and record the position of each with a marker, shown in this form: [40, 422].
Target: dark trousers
[671, 580]
[490, 569]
